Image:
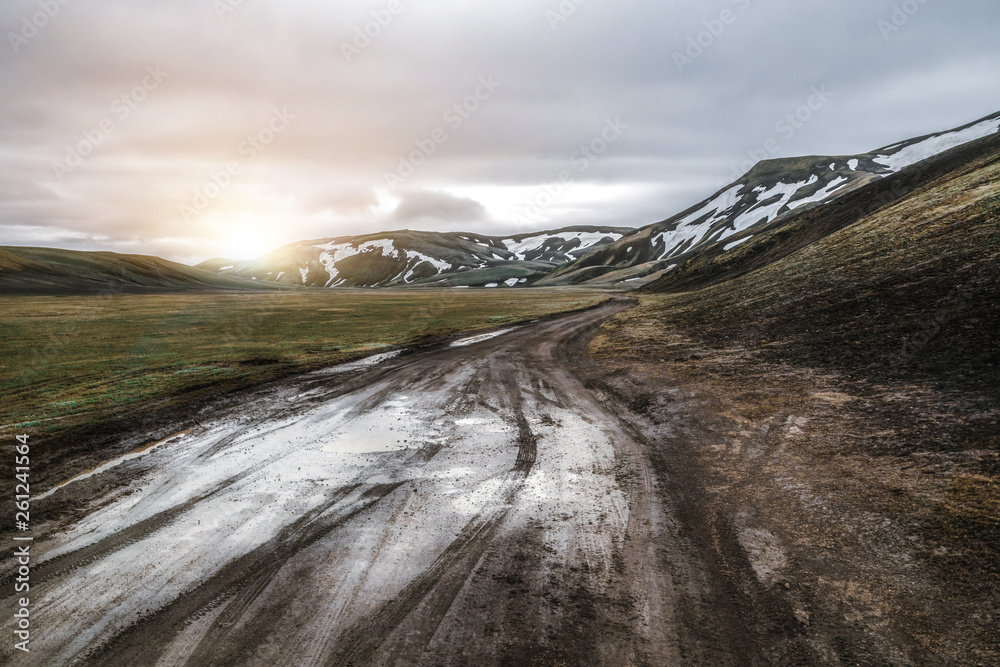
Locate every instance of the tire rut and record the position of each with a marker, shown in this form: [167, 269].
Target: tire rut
[239, 582]
[64, 564]
[435, 589]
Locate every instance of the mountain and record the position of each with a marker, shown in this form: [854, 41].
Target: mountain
[788, 234]
[451, 259]
[25, 270]
[771, 190]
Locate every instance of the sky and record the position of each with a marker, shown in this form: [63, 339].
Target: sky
[192, 129]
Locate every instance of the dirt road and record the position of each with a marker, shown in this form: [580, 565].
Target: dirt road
[476, 503]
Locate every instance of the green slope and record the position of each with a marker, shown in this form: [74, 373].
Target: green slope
[53, 271]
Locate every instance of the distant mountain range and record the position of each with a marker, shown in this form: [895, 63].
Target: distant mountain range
[671, 252]
[443, 259]
[595, 256]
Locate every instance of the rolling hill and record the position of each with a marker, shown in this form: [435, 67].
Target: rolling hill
[25, 270]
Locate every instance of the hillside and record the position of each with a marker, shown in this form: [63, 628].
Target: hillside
[790, 233]
[451, 259]
[770, 191]
[831, 411]
[26, 270]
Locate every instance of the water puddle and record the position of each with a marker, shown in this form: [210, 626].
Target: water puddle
[366, 443]
[480, 338]
[360, 364]
[108, 465]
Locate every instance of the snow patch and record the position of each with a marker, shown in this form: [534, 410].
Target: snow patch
[521, 248]
[822, 194]
[763, 214]
[366, 362]
[439, 266]
[730, 246]
[937, 144]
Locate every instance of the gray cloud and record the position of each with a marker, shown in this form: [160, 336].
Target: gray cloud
[325, 174]
[438, 207]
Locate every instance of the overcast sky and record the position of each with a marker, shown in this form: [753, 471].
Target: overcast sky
[193, 129]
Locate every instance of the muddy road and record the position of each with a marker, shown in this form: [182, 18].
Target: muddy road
[477, 503]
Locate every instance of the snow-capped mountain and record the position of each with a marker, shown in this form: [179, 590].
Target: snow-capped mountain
[421, 258]
[773, 188]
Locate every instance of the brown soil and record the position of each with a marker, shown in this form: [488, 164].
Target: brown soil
[666, 504]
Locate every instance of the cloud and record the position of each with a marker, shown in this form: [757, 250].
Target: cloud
[325, 175]
[431, 207]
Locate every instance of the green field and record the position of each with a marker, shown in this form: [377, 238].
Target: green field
[68, 360]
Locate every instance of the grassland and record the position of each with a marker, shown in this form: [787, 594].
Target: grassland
[71, 360]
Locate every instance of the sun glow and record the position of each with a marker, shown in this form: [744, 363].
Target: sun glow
[244, 235]
[247, 247]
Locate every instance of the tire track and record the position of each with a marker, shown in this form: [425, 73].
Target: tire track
[435, 589]
[237, 584]
[64, 564]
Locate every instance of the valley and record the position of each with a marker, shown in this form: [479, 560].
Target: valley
[763, 431]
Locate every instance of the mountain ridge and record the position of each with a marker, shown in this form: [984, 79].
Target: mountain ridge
[771, 189]
[421, 258]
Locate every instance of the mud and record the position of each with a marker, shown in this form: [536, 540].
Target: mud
[469, 503]
[503, 502]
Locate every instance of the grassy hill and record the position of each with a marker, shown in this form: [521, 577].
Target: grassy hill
[25, 270]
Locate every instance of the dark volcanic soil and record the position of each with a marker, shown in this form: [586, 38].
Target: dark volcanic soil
[509, 502]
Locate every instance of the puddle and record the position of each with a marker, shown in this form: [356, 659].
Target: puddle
[373, 360]
[108, 465]
[480, 338]
[378, 439]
